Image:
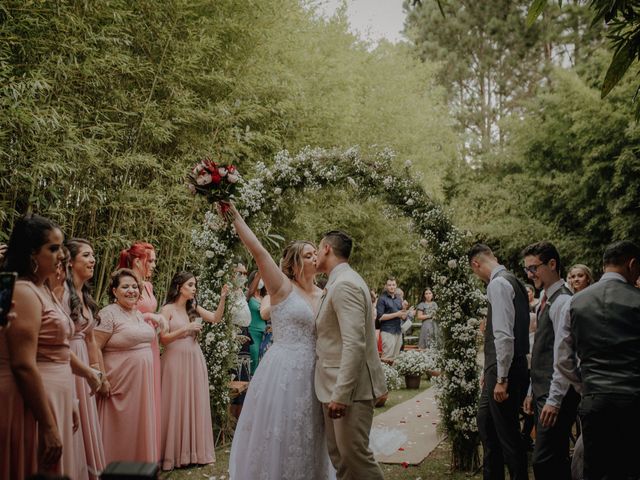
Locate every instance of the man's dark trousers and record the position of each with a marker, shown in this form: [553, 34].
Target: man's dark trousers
[499, 426]
[551, 456]
[610, 426]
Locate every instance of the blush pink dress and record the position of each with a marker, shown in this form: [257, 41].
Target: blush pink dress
[127, 416]
[89, 423]
[18, 428]
[149, 304]
[187, 434]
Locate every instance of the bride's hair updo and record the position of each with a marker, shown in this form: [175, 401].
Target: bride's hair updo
[292, 263]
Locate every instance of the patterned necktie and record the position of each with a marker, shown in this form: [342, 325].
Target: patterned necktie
[543, 303]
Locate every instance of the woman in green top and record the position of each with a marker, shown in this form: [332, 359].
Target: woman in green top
[255, 293]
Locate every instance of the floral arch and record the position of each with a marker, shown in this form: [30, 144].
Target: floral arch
[443, 249]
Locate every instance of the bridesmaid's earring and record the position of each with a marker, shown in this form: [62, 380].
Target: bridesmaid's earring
[34, 266]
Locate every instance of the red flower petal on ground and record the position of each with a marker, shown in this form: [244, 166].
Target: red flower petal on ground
[401, 449]
[404, 465]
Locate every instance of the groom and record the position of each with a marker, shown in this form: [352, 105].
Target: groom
[349, 375]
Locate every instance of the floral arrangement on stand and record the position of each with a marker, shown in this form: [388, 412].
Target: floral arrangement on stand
[443, 248]
[414, 363]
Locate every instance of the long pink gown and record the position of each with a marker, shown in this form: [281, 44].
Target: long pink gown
[90, 425]
[128, 416]
[187, 434]
[149, 304]
[18, 428]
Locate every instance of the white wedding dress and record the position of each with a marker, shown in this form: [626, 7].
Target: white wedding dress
[280, 433]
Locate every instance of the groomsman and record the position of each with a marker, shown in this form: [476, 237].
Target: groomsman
[551, 396]
[601, 327]
[506, 344]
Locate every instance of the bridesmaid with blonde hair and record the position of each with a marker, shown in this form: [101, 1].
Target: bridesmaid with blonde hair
[187, 433]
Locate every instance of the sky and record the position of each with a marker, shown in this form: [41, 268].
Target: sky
[371, 19]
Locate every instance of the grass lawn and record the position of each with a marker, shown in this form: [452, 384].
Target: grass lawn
[435, 466]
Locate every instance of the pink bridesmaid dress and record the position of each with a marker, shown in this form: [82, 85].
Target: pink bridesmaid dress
[18, 428]
[90, 425]
[128, 416]
[149, 304]
[187, 433]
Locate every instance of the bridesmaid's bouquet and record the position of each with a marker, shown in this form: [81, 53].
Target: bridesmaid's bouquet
[216, 181]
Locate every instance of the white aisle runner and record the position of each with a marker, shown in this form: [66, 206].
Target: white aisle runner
[407, 432]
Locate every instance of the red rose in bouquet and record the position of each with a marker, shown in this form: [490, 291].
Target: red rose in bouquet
[217, 182]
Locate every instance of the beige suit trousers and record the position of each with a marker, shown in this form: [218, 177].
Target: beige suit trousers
[348, 442]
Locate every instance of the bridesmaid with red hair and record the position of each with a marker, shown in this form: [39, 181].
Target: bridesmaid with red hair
[141, 258]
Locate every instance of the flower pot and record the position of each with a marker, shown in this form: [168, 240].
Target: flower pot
[412, 381]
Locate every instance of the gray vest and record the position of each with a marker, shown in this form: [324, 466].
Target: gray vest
[520, 328]
[542, 351]
[605, 323]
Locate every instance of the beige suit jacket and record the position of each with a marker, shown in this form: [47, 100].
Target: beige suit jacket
[348, 367]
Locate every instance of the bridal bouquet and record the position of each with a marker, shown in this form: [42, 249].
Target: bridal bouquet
[217, 182]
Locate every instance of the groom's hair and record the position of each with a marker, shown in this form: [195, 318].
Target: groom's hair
[340, 242]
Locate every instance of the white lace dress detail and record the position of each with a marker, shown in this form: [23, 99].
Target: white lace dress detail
[280, 433]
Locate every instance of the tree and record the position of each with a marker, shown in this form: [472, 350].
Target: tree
[490, 63]
[623, 19]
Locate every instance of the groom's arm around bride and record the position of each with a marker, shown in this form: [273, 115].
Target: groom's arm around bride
[349, 375]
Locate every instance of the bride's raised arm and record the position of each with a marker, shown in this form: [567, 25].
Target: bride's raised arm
[277, 283]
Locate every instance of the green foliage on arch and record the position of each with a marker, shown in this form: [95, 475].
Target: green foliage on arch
[443, 257]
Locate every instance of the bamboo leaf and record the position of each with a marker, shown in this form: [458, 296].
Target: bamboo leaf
[536, 8]
[620, 63]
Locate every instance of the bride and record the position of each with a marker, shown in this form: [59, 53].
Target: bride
[280, 433]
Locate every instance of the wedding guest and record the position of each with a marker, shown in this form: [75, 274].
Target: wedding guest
[267, 338]
[187, 434]
[390, 314]
[506, 343]
[37, 417]
[601, 328]
[529, 420]
[550, 396]
[425, 313]
[83, 309]
[257, 327]
[141, 258]
[580, 277]
[127, 414]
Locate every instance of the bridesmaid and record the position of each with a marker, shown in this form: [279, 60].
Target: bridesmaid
[83, 309]
[127, 414]
[187, 434]
[141, 258]
[36, 384]
[255, 294]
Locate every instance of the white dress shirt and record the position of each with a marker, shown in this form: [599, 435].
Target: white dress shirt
[503, 317]
[559, 385]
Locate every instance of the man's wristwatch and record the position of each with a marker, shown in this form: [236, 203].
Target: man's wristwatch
[502, 380]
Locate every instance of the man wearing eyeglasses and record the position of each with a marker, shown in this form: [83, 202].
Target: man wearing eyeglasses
[551, 397]
[504, 380]
[601, 327]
